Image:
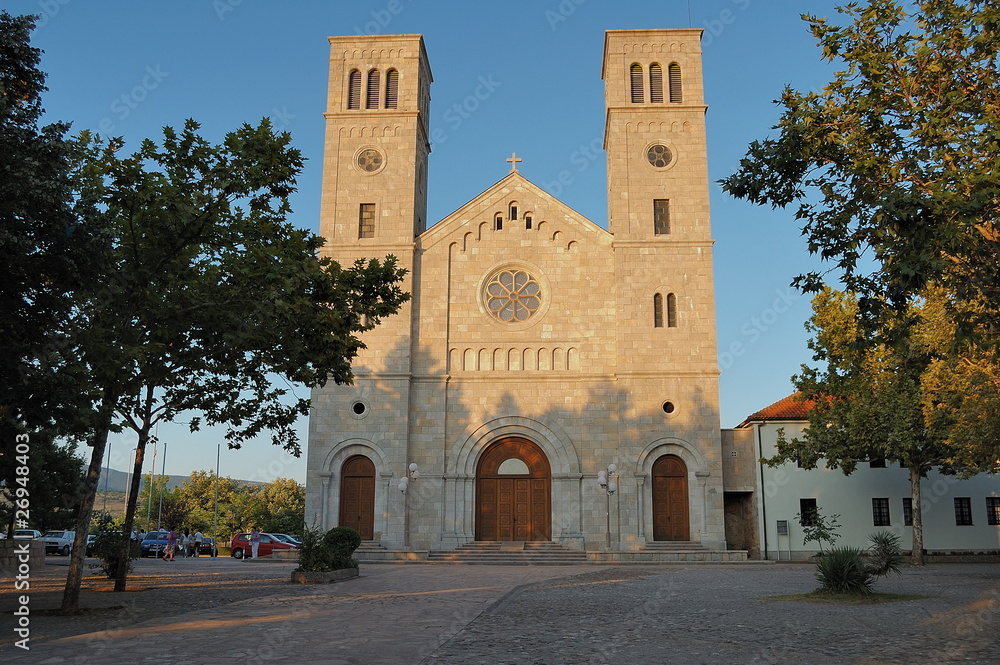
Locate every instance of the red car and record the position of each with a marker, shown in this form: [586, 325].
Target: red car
[241, 545]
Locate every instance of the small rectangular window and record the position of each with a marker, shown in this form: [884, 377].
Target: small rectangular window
[963, 511]
[661, 217]
[808, 511]
[878, 463]
[366, 221]
[993, 510]
[907, 512]
[880, 512]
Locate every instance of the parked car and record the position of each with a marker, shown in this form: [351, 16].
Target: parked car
[208, 546]
[153, 543]
[27, 534]
[268, 543]
[285, 538]
[91, 542]
[59, 542]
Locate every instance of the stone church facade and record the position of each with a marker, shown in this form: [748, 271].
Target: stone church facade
[538, 348]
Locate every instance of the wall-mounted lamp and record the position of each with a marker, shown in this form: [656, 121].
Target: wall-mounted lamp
[412, 473]
[604, 479]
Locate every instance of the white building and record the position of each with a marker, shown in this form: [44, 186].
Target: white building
[958, 515]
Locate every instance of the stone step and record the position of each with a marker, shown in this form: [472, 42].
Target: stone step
[674, 546]
[509, 553]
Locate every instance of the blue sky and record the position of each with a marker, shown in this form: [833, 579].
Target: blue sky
[129, 68]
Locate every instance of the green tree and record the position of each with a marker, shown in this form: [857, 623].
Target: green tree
[893, 166]
[284, 501]
[873, 400]
[46, 253]
[214, 295]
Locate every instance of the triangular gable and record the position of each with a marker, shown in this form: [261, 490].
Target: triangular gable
[513, 186]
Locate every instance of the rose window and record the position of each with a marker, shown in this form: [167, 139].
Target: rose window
[513, 296]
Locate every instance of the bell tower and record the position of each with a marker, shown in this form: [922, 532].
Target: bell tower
[658, 199]
[374, 200]
[375, 168]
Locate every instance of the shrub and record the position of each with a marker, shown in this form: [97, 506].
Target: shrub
[106, 548]
[333, 550]
[843, 570]
[885, 553]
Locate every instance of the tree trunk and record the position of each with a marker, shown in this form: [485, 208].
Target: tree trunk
[917, 555]
[71, 594]
[133, 502]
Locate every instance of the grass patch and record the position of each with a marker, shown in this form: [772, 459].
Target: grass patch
[827, 598]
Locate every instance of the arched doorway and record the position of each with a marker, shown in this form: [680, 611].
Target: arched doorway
[357, 496]
[670, 499]
[513, 490]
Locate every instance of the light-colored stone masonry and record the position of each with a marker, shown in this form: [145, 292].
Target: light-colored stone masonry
[587, 377]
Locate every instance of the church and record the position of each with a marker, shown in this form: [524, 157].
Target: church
[550, 380]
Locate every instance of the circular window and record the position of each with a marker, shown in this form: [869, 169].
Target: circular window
[512, 295]
[370, 160]
[359, 410]
[659, 156]
[669, 408]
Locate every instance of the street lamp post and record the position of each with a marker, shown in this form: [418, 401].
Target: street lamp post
[107, 476]
[215, 521]
[149, 497]
[163, 472]
[412, 473]
[609, 487]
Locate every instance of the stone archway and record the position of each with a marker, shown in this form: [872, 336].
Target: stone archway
[357, 496]
[513, 492]
[671, 519]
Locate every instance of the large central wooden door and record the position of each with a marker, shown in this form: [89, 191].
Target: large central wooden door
[670, 499]
[513, 488]
[357, 496]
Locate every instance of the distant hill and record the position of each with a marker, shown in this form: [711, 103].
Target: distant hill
[117, 480]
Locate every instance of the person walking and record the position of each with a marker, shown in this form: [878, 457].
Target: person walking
[254, 541]
[198, 540]
[168, 550]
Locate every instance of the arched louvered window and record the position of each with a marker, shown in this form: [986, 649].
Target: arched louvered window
[636, 77]
[674, 74]
[657, 311]
[512, 208]
[391, 88]
[498, 222]
[371, 99]
[655, 84]
[354, 90]
[671, 310]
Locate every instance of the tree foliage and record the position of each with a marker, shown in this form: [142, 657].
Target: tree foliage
[216, 304]
[277, 506]
[893, 166]
[46, 252]
[899, 402]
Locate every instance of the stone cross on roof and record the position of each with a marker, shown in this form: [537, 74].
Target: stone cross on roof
[514, 159]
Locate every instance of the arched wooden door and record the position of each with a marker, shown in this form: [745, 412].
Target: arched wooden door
[513, 490]
[357, 496]
[670, 499]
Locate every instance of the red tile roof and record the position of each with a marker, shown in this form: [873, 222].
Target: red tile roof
[792, 407]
